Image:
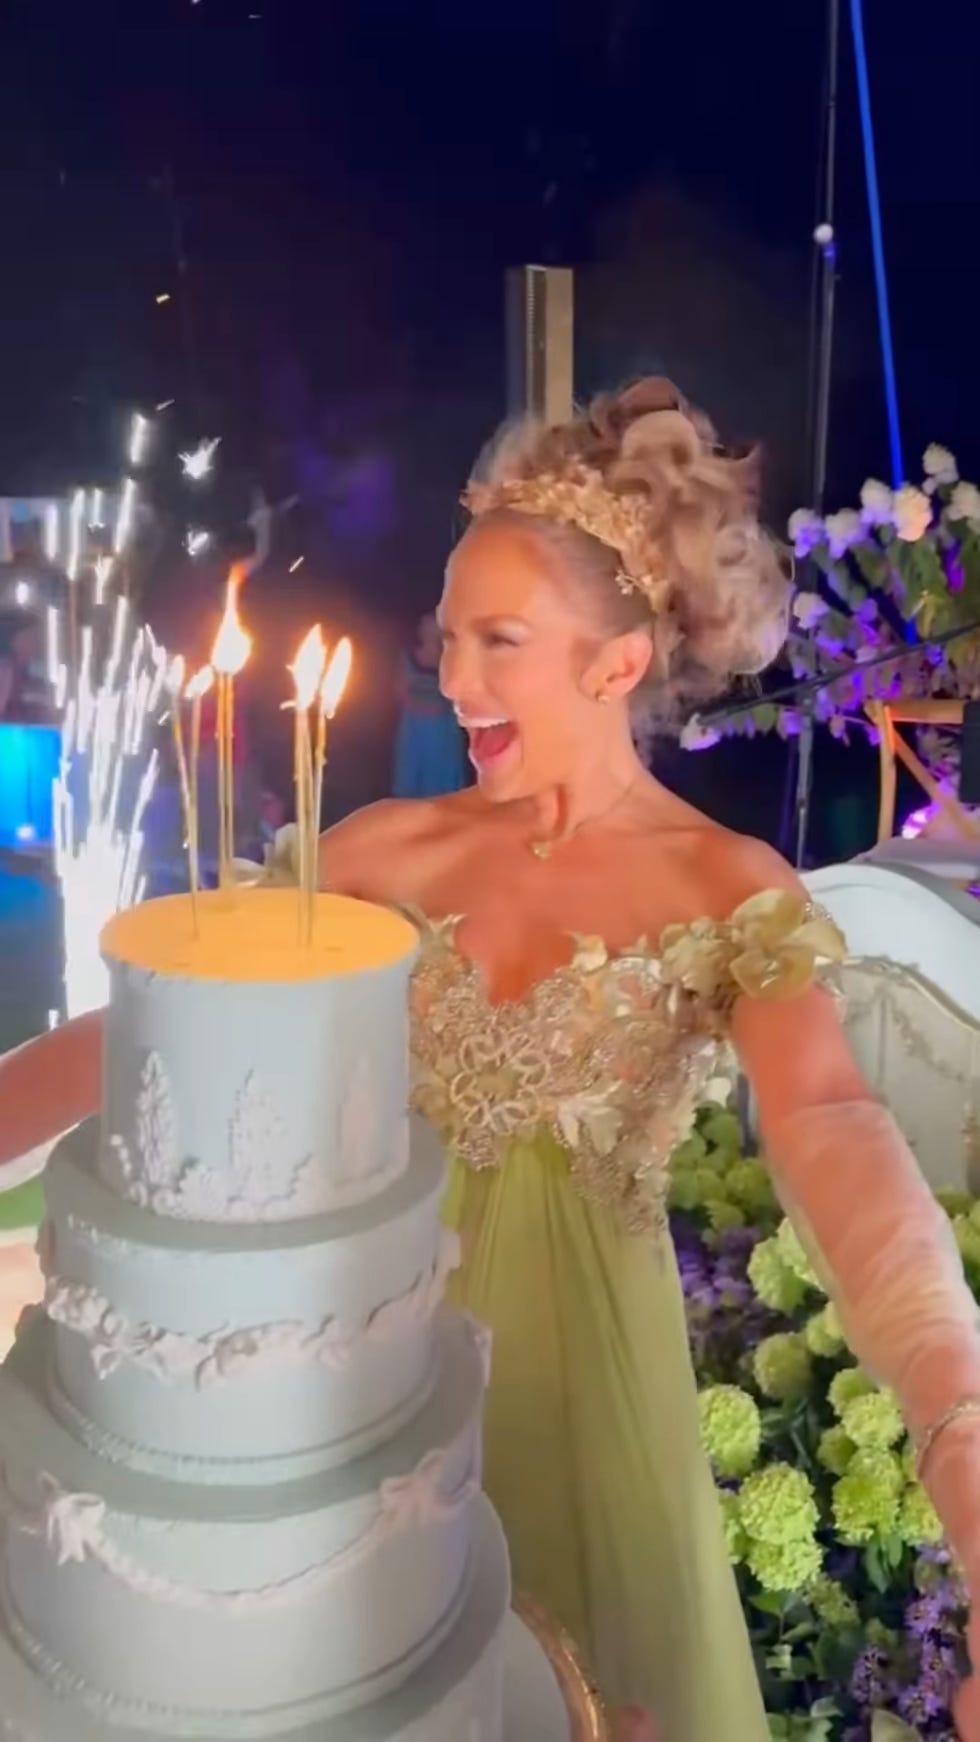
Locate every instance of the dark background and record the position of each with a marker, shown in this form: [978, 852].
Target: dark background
[346, 185]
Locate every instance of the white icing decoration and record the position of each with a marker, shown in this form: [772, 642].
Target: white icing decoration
[74, 1528]
[212, 1356]
[262, 1181]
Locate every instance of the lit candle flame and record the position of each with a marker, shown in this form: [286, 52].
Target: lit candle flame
[232, 644]
[307, 667]
[335, 678]
[199, 684]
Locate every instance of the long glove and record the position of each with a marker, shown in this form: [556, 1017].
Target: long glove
[885, 1251]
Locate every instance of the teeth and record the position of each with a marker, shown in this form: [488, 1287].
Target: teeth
[473, 724]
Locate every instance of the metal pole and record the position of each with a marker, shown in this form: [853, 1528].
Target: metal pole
[822, 354]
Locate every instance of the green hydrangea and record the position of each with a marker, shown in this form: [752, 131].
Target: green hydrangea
[693, 1188]
[831, 1603]
[849, 1383]
[955, 1203]
[722, 1215]
[835, 1450]
[736, 1541]
[822, 1333]
[782, 1367]
[918, 1521]
[795, 1257]
[731, 1429]
[690, 1153]
[784, 1567]
[720, 1129]
[873, 1422]
[968, 1240]
[773, 1281]
[866, 1498]
[777, 1505]
[750, 1187]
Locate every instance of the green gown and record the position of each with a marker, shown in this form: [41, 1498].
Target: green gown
[561, 1110]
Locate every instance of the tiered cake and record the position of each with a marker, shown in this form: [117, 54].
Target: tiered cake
[240, 1445]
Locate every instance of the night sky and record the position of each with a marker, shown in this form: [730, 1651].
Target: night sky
[350, 182]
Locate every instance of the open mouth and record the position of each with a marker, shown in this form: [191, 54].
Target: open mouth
[489, 740]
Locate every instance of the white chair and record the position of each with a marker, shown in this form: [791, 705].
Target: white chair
[912, 1005]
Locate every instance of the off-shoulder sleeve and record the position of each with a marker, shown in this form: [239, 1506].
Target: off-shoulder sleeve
[775, 946]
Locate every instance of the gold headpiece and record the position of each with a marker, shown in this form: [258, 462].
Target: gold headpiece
[580, 497]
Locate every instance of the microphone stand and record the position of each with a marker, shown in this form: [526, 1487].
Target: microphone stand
[823, 308]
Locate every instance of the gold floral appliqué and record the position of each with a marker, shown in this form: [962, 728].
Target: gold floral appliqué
[611, 1054]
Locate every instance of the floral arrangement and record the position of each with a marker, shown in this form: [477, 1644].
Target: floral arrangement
[902, 567]
[855, 1610]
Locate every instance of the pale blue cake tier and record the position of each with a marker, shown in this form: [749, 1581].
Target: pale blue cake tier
[454, 1696]
[215, 1608]
[198, 1345]
[254, 1098]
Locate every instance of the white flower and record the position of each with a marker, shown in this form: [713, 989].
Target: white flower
[938, 463]
[808, 608]
[877, 503]
[806, 531]
[843, 530]
[697, 736]
[964, 504]
[913, 513]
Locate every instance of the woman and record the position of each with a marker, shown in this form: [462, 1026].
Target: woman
[429, 746]
[612, 559]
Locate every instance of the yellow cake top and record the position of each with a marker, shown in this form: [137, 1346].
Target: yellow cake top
[254, 934]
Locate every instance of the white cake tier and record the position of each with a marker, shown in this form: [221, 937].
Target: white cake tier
[455, 1696]
[233, 1611]
[249, 1078]
[215, 1345]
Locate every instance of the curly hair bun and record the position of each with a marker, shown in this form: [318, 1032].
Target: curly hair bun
[727, 598]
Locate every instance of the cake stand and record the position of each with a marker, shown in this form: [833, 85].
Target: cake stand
[547, 1697]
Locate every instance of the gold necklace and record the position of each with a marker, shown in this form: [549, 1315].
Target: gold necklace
[544, 849]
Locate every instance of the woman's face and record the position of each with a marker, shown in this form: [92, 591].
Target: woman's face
[518, 645]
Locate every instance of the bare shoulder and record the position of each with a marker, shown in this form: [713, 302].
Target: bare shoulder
[370, 852]
[722, 869]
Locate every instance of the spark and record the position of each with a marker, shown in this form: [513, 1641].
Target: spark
[197, 541]
[298, 564]
[126, 515]
[198, 462]
[102, 568]
[52, 531]
[162, 298]
[165, 404]
[106, 778]
[139, 438]
[76, 524]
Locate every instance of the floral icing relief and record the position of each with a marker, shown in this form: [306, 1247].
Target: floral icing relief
[262, 1181]
[610, 1055]
[211, 1357]
[74, 1527]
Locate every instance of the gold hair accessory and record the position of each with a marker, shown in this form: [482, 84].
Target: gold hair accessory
[967, 1406]
[580, 497]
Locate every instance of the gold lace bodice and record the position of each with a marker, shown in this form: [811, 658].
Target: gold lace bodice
[611, 1054]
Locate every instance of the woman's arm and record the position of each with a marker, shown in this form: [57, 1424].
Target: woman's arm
[875, 1232]
[50, 1084]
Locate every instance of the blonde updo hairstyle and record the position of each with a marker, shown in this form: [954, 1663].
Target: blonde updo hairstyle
[722, 611]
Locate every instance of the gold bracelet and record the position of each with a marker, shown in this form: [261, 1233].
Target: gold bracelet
[967, 1406]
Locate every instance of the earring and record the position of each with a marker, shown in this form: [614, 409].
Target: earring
[602, 698]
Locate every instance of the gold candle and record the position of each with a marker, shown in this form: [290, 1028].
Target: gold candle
[228, 656]
[306, 669]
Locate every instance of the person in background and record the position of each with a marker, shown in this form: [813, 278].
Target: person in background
[429, 749]
[25, 696]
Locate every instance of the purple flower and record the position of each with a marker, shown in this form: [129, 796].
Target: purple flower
[869, 1682]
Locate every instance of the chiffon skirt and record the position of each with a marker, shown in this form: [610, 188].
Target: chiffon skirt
[592, 1452]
